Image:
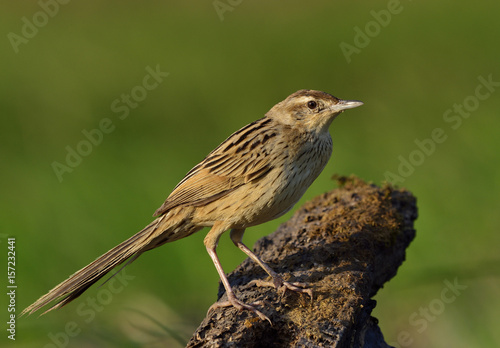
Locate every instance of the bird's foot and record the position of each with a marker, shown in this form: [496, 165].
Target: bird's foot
[282, 286]
[234, 302]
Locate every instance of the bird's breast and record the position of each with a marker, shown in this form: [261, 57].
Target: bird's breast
[283, 187]
[294, 167]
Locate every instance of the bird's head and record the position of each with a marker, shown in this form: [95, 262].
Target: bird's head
[310, 110]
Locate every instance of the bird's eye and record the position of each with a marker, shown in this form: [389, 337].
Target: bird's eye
[311, 104]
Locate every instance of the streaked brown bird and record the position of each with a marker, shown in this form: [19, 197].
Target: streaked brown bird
[254, 176]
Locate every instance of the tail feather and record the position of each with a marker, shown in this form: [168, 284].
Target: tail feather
[81, 280]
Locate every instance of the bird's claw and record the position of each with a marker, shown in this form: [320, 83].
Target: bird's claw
[282, 286]
[234, 302]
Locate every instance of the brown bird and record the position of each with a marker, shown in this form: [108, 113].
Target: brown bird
[254, 176]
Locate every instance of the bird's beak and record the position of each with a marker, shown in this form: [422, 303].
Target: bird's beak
[345, 104]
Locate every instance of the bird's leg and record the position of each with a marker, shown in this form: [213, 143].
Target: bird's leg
[278, 282]
[211, 241]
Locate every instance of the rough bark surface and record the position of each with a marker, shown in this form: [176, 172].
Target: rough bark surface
[345, 244]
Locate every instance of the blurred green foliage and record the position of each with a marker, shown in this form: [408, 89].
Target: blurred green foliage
[223, 74]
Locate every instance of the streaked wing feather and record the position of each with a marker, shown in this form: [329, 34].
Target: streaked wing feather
[226, 168]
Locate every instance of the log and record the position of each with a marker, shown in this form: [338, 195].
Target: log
[344, 244]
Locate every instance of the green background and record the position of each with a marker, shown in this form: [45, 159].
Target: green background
[223, 74]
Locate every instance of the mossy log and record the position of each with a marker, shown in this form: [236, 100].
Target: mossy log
[344, 244]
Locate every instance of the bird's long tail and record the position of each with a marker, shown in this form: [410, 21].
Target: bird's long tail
[153, 235]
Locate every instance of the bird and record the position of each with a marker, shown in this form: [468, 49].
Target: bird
[256, 175]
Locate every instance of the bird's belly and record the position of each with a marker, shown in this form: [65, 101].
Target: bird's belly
[275, 196]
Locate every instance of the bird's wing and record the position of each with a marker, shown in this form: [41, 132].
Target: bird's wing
[240, 159]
